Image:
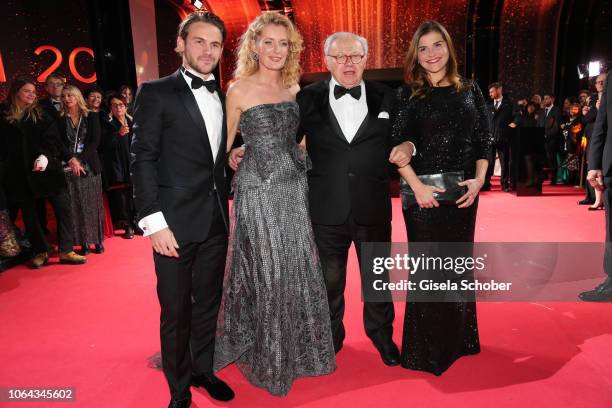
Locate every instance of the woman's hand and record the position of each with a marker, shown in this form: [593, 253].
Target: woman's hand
[77, 167]
[235, 157]
[424, 195]
[474, 185]
[124, 130]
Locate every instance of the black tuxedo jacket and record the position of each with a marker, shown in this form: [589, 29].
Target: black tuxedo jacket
[347, 178]
[48, 108]
[502, 117]
[551, 123]
[171, 159]
[600, 145]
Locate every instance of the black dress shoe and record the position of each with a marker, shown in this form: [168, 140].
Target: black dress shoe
[216, 388]
[184, 403]
[602, 293]
[586, 201]
[388, 352]
[129, 232]
[84, 249]
[98, 249]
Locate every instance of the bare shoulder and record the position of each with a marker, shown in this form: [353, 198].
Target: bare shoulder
[236, 89]
[241, 93]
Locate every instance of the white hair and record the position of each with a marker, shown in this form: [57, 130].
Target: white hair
[345, 34]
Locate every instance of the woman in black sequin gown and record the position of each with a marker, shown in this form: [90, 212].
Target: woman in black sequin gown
[446, 118]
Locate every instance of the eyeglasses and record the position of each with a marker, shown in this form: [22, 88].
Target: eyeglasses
[599, 82]
[117, 105]
[342, 59]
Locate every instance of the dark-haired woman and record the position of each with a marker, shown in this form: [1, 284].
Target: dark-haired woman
[31, 169]
[116, 160]
[93, 98]
[128, 95]
[446, 118]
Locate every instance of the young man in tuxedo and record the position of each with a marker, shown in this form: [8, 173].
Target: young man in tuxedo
[178, 163]
[345, 121]
[501, 112]
[600, 177]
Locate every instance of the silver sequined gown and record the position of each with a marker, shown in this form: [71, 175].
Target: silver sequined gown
[274, 317]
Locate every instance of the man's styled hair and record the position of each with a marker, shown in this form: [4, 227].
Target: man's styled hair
[496, 85]
[55, 75]
[201, 17]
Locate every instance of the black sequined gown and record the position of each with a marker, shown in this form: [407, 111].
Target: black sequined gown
[274, 317]
[450, 130]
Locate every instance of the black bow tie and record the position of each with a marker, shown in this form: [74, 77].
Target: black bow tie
[340, 91]
[197, 82]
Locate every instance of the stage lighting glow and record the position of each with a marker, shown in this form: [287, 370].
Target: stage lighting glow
[594, 68]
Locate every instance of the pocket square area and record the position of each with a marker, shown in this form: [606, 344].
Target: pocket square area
[383, 115]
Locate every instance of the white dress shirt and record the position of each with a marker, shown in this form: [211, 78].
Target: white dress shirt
[349, 111]
[497, 103]
[211, 110]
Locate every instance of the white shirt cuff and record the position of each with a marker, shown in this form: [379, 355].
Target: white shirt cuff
[42, 162]
[413, 149]
[152, 223]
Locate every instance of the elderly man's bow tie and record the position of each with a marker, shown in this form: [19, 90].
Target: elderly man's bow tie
[340, 91]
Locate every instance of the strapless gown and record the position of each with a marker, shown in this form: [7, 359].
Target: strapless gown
[274, 318]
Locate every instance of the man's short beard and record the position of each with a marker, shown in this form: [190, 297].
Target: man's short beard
[195, 67]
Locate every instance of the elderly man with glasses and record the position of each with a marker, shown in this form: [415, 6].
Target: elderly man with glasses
[345, 122]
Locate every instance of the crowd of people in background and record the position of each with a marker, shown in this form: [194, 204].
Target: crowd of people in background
[69, 149]
[567, 130]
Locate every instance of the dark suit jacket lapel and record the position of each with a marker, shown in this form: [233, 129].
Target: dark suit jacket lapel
[327, 112]
[191, 106]
[374, 100]
[223, 144]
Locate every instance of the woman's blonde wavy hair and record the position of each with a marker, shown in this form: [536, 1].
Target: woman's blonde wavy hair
[247, 65]
[415, 74]
[76, 92]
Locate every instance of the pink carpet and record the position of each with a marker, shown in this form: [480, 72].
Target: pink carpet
[93, 328]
